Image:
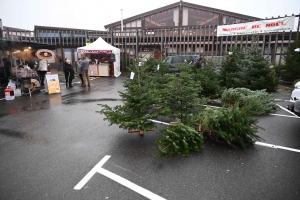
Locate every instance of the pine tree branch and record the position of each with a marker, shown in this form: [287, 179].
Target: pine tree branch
[163, 149]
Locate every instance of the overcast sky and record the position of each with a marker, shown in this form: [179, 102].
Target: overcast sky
[95, 14]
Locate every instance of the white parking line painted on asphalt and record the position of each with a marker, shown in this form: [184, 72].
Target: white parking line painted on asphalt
[280, 100]
[2, 99]
[91, 173]
[277, 147]
[286, 110]
[159, 122]
[130, 185]
[98, 168]
[285, 116]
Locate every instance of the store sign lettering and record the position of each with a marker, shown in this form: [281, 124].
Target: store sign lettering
[275, 24]
[264, 26]
[95, 51]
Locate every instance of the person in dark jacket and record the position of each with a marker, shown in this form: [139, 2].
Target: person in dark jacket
[85, 71]
[7, 68]
[69, 73]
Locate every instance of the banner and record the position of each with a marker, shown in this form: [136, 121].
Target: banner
[264, 26]
[45, 54]
[52, 84]
[95, 51]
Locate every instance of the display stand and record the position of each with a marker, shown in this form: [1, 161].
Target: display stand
[52, 84]
[93, 70]
[103, 69]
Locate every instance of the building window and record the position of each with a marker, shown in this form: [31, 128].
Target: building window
[176, 16]
[164, 18]
[133, 24]
[185, 16]
[147, 21]
[170, 18]
[216, 19]
[191, 17]
[158, 19]
[153, 20]
[127, 25]
[209, 18]
[225, 20]
[203, 18]
[197, 17]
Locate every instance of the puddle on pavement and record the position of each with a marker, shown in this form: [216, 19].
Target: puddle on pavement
[30, 139]
[37, 106]
[76, 101]
[69, 99]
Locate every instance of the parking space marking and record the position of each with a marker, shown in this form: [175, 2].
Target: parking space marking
[286, 110]
[91, 173]
[280, 100]
[277, 147]
[285, 116]
[130, 185]
[98, 168]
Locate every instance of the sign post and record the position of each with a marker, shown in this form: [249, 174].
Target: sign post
[52, 84]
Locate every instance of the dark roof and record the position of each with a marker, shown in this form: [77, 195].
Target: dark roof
[183, 4]
[61, 28]
[6, 45]
[14, 29]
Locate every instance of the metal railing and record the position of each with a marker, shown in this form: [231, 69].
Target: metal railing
[200, 40]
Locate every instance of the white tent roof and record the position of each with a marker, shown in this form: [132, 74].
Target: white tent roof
[102, 47]
[99, 46]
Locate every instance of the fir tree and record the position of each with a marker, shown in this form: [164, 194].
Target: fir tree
[181, 95]
[179, 139]
[230, 66]
[136, 111]
[234, 126]
[180, 102]
[244, 96]
[207, 77]
[249, 70]
[292, 62]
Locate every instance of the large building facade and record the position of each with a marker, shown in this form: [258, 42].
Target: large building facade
[185, 28]
[178, 28]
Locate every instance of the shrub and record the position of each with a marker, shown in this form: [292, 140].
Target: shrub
[265, 102]
[179, 139]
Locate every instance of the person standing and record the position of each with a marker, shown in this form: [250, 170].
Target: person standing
[85, 71]
[42, 70]
[78, 69]
[7, 69]
[69, 73]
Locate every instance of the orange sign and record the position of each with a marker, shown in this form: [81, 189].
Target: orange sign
[45, 54]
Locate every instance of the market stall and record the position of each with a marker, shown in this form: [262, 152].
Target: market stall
[105, 58]
[23, 58]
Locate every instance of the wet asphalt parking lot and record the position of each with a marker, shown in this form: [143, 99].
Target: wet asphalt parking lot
[57, 147]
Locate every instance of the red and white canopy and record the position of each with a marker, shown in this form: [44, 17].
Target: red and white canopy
[102, 47]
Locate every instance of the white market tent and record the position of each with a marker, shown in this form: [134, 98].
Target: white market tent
[102, 47]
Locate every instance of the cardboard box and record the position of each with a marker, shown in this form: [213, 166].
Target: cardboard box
[93, 70]
[103, 69]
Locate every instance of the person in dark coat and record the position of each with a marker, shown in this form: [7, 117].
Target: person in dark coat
[69, 73]
[7, 68]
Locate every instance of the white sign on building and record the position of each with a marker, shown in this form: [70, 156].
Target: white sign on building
[263, 26]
